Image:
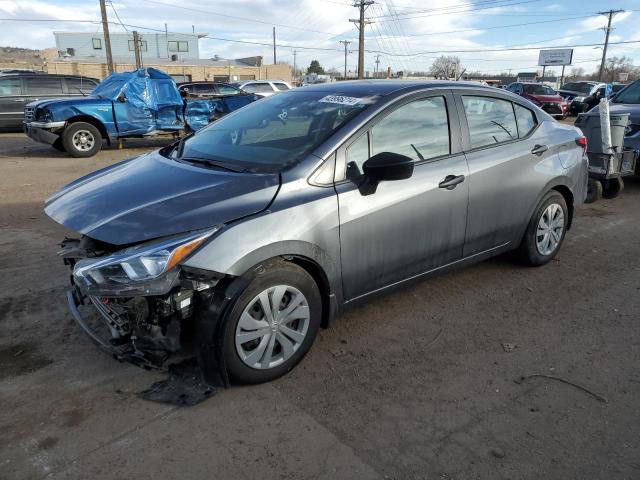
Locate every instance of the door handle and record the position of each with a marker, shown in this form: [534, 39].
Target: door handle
[450, 181]
[539, 149]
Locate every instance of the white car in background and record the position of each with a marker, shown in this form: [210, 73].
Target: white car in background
[264, 88]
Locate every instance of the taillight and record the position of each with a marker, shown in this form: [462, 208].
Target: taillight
[582, 142]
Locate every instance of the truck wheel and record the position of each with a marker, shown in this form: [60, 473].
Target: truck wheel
[613, 187]
[594, 190]
[81, 139]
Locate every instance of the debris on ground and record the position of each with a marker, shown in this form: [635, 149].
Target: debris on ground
[497, 452]
[508, 347]
[597, 396]
[184, 387]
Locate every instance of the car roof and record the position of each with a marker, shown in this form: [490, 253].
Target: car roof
[386, 87]
[45, 75]
[205, 82]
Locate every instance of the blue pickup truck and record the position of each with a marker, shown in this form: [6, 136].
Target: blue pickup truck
[137, 104]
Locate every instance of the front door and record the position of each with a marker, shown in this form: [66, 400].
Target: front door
[404, 227]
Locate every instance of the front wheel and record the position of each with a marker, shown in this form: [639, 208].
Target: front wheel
[272, 324]
[81, 139]
[546, 230]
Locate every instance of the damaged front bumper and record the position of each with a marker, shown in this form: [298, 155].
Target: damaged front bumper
[44, 132]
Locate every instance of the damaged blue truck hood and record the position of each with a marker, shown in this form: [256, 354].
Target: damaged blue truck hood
[152, 196]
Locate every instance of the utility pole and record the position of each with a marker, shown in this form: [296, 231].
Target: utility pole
[360, 23]
[295, 53]
[107, 38]
[607, 29]
[274, 45]
[377, 65]
[346, 46]
[136, 49]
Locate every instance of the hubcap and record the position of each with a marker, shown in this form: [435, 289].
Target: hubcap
[550, 229]
[83, 140]
[272, 327]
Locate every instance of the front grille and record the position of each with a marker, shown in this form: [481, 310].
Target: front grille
[29, 114]
[552, 108]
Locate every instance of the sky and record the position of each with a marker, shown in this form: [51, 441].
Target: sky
[407, 35]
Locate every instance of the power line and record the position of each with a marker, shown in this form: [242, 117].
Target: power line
[455, 12]
[117, 16]
[326, 49]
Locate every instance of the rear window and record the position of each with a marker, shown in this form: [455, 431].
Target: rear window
[257, 88]
[539, 90]
[490, 120]
[43, 85]
[578, 87]
[281, 86]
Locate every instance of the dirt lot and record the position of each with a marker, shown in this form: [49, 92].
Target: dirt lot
[418, 384]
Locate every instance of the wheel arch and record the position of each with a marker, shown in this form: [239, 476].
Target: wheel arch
[93, 121]
[568, 198]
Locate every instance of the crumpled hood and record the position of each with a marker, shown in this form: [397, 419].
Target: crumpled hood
[152, 196]
[70, 102]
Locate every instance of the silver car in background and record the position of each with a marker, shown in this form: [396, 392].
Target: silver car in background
[263, 88]
[256, 231]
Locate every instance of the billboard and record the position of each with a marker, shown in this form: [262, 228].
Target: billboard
[558, 56]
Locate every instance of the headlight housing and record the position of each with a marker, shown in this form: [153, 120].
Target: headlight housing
[146, 269]
[579, 99]
[44, 115]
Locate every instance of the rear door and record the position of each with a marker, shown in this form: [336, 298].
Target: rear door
[12, 102]
[405, 227]
[509, 158]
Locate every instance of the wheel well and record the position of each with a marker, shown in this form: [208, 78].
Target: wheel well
[96, 123]
[568, 197]
[319, 276]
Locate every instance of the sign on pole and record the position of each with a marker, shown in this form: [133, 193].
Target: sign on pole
[558, 56]
[623, 77]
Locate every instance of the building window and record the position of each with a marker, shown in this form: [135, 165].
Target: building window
[143, 46]
[175, 46]
[97, 43]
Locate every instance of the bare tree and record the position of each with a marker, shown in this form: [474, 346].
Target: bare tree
[445, 67]
[616, 65]
[576, 73]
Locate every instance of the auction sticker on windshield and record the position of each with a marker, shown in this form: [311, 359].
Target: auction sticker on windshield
[339, 99]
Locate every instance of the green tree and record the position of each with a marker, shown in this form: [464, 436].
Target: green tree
[315, 67]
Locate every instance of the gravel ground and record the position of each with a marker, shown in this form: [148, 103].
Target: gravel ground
[418, 384]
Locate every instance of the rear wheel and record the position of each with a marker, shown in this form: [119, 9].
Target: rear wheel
[612, 187]
[546, 230]
[81, 139]
[273, 324]
[594, 190]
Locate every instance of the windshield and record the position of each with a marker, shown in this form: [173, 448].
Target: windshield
[272, 133]
[630, 94]
[578, 87]
[539, 90]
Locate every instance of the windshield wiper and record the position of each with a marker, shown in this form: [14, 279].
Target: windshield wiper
[212, 163]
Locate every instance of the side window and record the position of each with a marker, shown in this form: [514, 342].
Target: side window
[526, 120]
[80, 86]
[419, 129]
[262, 87]
[43, 85]
[227, 90]
[280, 86]
[203, 89]
[490, 120]
[357, 154]
[10, 86]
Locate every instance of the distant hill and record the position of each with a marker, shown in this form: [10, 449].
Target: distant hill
[21, 55]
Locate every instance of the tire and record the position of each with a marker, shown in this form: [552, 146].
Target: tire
[594, 190]
[534, 249]
[81, 140]
[612, 187]
[249, 362]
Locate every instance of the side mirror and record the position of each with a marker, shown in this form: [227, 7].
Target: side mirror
[122, 98]
[388, 166]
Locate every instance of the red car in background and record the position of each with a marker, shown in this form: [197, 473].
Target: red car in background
[543, 96]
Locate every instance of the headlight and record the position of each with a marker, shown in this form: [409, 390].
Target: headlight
[579, 99]
[146, 269]
[44, 116]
